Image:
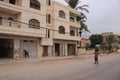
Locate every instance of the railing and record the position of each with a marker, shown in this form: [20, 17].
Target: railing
[17, 24]
[22, 28]
[9, 23]
[25, 27]
[72, 20]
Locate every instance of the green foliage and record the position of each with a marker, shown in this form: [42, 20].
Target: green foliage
[78, 18]
[73, 14]
[73, 3]
[95, 40]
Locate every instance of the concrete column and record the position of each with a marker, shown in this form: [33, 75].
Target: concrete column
[60, 49]
[53, 51]
[40, 49]
[66, 51]
[16, 48]
[50, 51]
[63, 49]
[76, 52]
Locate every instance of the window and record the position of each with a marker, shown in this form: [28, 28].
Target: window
[48, 2]
[12, 1]
[25, 40]
[1, 0]
[48, 33]
[35, 4]
[0, 20]
[31, 41]
[72, 32]
[33, 23]
[48, 18]
[61, 30]
[10, 21]
[72, 19]
[61, 14]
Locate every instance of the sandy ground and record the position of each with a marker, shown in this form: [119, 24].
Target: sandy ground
[66, 69]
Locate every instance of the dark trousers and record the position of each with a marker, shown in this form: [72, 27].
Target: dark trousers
[96, 60]
[26, 55]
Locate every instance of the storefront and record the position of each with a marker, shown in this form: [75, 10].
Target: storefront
[64, 48]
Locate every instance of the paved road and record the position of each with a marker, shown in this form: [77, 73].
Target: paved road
[72, 69]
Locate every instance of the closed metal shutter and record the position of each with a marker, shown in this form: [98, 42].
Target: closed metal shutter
[30, 46]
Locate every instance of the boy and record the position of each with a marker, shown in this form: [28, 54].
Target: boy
[96, 56]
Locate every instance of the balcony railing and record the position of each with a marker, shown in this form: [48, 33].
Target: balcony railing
[25, 27]
[21, 27]
[66, 36]
[16, 24]
[9, 23]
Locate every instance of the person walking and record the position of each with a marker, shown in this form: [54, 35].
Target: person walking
[26, 53]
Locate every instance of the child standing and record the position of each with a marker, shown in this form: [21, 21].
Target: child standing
[96, 56]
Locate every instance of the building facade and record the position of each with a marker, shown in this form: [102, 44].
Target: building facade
[112, 40]
[85, 42]
[44, 28]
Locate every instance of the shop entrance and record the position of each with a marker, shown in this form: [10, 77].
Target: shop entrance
[57, 49]
[30, 46]
[71, 49]
[6, 48]
[45, 51]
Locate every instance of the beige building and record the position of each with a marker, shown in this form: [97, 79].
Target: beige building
[44, 28]
[107, 34]
[116, 40]
[85, 42]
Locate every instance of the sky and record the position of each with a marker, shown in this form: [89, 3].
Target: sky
[103, 16]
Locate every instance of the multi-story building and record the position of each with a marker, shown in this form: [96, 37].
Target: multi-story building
[42, 27]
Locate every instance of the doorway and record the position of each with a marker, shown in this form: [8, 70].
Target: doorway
[71, 49]
[6, 48]
[57, 49]
[45, 51]
[30, 46]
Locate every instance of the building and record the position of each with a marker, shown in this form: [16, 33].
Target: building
[44, 28]
[111, 39]
[85, 42]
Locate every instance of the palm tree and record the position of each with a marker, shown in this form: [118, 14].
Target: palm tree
[83, 19]
[74, 4]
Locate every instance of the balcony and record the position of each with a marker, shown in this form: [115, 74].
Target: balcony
[9, 27]
[73, 19]
[9, 8]
[66, 36]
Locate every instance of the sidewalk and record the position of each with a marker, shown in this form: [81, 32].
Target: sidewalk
[30, 60]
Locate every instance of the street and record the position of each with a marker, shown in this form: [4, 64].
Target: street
[67, 69]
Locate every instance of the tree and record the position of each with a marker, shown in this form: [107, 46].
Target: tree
[109, 40]
[72, 3]
[95, 40]
[82, 18]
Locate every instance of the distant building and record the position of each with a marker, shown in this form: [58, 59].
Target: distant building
[116, 38]
[85, 42]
